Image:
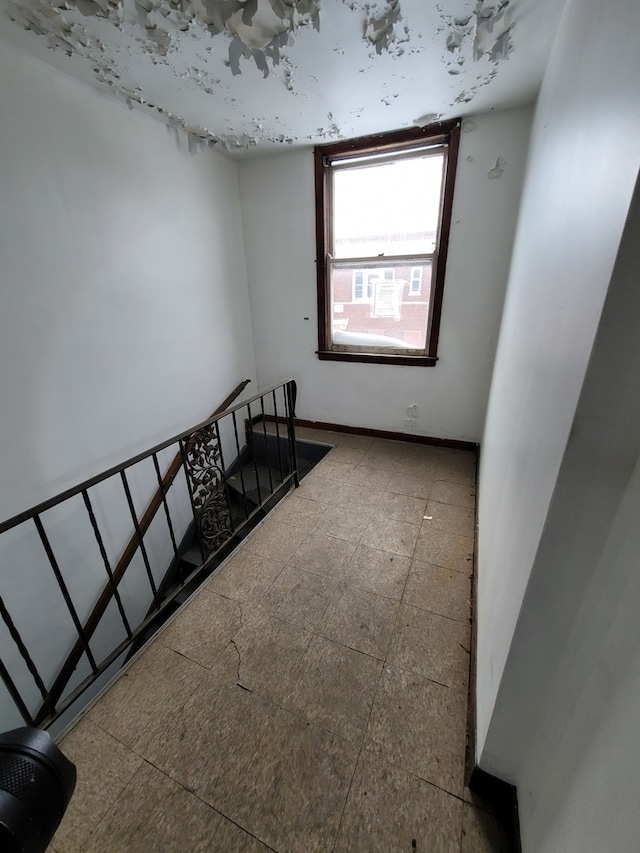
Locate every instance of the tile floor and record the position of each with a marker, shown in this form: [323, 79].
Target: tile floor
[312, 696]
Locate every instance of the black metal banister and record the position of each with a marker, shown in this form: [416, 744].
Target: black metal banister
[105, 560]
[65, 591]
[139, 457]
[17, 639]
[264, 432]
[290, 399]
[111, 591]
[223, 503]
[237, 440]
[162, 490]
[13, 691]
[222, 464]
[255, 461]
[275, 415]
[139, 536]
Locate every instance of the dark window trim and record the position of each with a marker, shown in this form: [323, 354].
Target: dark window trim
[377, 358]
[443, 132]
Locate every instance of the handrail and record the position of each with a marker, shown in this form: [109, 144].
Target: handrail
[93, 481]
[107, 594]
[222, 509]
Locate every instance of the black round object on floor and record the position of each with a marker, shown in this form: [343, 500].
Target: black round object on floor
[36, 784]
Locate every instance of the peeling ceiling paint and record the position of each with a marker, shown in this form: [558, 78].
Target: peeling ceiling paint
[266, 74]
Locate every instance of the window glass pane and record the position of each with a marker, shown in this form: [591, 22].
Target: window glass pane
[391, 208]
[384, 314]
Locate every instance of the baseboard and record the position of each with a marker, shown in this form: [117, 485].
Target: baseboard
[502, 799]
[382, 433]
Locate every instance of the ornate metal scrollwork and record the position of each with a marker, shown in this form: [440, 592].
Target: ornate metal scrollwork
[207, 483]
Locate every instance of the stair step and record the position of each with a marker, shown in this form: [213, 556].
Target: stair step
[192, 556]
[182, 596]
[312, 451]
[267, 479]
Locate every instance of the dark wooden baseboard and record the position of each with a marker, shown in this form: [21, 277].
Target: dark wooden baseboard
[502, 799]
[383, 433]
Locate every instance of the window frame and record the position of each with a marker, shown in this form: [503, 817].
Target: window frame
[413, 279]
[443, 133]
[363, 285]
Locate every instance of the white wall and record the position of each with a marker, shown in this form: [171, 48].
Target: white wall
[125, 313]
[124, 318]
[567, 711]
[279, 219]
[559, 449]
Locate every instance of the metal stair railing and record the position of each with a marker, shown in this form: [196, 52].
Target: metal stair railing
[136, 541]
[220, 515]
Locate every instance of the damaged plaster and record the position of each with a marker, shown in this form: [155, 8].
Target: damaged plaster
[497, 169]
[486, 34]
[380, 30]
[489, 28]
[254, 29]
[331, 68]
[260, 28]
[428, 118]
[493, 27]
[330, 131]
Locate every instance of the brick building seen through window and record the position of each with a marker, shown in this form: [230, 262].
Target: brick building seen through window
[391, 301]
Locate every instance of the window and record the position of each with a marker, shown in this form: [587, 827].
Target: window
[364, 283]
[383, 208]
[415, 283]
[358, 286]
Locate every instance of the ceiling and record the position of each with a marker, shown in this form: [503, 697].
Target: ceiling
[263, 75]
